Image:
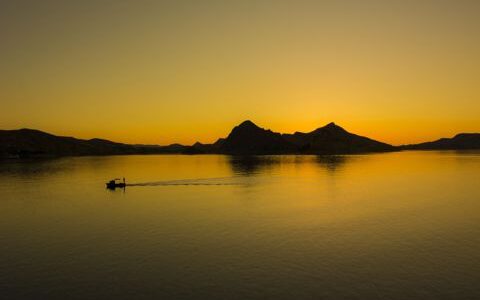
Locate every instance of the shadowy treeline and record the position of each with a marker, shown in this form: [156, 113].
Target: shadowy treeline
[245, 139]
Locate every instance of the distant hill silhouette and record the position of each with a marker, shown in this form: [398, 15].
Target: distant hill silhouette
[29, 142]
[462, 141]
[334, 139]
[245, 139]
[248, 138]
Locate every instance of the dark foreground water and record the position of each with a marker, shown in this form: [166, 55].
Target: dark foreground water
[385, 226]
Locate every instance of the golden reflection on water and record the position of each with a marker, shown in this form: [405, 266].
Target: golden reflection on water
[396, 225]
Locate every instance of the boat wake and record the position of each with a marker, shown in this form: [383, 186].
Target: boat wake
[186, 182]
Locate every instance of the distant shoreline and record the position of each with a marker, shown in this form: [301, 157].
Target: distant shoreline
[39, 157]
[245, 139]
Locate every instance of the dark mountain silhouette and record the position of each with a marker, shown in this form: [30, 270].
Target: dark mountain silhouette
[334, 139]
[462, 141]
[199, 148]
[245, 139]
[248, 138]
[29, 142]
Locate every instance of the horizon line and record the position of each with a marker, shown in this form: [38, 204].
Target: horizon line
[218, 138]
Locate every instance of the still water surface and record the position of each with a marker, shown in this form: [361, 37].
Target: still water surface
[384, 226]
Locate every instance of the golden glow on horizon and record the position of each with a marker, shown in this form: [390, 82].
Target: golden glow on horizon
[400, 72]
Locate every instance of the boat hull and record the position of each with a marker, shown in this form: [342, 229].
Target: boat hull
[113, 186]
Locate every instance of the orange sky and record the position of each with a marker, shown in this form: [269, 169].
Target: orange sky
[180, 71]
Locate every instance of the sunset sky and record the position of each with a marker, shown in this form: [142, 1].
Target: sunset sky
[181, 71]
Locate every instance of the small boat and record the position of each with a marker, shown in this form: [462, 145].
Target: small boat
[112, 184]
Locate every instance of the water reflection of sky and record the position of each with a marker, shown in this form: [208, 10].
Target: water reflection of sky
[369, 224]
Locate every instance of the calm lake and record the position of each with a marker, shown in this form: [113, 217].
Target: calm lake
[383, 226]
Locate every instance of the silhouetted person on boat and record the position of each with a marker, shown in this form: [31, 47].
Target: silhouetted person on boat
[112, 184]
